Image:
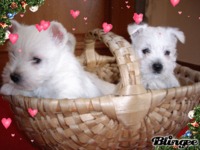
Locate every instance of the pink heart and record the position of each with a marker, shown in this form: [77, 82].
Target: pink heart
[128, 6]
[12, 135]
[44, 24]
[174, 2]
[13, 38]
[6, 122]
[85, 18]
[74, 14]
[20, 50]
[179, 12]
[32, 112]
[107, 27]
[126, 2]
[39, 27]
[22, 15]
[137, 18]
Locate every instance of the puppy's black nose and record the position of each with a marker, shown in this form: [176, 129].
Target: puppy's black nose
[157, 67]
[15, 77]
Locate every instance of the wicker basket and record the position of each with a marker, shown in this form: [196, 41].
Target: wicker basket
[127, 120]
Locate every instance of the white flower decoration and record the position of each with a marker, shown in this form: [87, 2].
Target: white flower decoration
[33, 8]
[7, 34]
[191, 114]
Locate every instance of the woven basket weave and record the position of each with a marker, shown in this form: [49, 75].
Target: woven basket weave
[127, 120]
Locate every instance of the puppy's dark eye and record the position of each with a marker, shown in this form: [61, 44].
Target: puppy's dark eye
[167, 53]
[36, 60]
[145, 51]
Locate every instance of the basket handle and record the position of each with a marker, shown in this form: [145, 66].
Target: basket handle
[126, 59]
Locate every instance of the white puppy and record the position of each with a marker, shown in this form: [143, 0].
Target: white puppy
[42, 64]
[156, 50]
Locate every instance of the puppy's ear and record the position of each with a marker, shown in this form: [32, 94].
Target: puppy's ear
[178, 34]
[135, 29]
[61, 36]
[15, 26]
[58, 33]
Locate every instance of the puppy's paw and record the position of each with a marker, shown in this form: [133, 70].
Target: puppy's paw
[6, 89]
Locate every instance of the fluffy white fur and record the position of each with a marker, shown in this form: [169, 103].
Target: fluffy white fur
[156, 46]
[58, 74]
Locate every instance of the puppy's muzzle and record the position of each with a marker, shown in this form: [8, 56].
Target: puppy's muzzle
[15, 77]
[157, 67]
